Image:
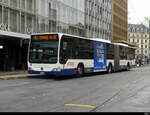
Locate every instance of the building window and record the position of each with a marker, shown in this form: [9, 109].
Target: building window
[42, 24]
[0, 14]
[141, 51]
[22, 23]
[141, 41]
[29, 5]
[141, 46]
[5, 1]
[29, 27]
[145, 41]
[13, 3]
[5, 15]
[141, 29]
[145, 46]
[23, 4]
[145, 51]
[133, 40]
[128, 40]
[13, 21]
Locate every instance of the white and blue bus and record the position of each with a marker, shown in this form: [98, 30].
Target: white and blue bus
[63, 54]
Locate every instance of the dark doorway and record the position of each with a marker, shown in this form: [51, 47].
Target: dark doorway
[14, 54]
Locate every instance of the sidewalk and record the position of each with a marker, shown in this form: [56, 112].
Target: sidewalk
[15, 75]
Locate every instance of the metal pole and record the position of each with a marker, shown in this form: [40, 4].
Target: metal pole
[148, 19]
[149, 39]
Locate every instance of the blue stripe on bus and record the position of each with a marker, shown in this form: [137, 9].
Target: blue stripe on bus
[63, 72]
[89, 70]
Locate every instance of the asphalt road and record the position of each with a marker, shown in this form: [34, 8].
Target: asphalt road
[127, 91]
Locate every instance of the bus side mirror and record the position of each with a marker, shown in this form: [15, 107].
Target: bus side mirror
[64, 46]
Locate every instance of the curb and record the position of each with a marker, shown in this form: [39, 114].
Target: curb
[17, 76]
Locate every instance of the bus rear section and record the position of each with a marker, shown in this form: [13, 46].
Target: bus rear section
[124, 58]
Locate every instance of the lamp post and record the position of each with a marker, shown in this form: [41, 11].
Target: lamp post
[1, 47]
[148, 19]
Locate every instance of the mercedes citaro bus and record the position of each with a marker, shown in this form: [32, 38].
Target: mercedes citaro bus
[62, 54]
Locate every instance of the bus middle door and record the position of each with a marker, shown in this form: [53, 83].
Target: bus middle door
[116, 58]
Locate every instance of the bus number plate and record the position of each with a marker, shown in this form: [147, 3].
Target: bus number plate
[41, 72]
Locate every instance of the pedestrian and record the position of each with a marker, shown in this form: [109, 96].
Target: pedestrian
[140, 62]
[147, 61]
[137, 62]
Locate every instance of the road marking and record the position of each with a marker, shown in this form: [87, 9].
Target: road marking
[78, 105]
[107, 101]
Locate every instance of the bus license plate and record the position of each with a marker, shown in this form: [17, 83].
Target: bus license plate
[41, 72]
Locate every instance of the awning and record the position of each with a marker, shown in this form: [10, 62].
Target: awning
[14, 34]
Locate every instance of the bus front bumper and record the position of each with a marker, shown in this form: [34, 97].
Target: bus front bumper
[56, 73]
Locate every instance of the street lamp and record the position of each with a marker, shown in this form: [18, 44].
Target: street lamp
[1, 47]
[148, 19]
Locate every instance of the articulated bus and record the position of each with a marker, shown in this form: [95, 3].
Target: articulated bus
[62, 54]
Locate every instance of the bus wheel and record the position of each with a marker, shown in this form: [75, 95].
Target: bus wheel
[80, 71]
[110, 69]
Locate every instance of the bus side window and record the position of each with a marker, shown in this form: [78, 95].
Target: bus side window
[64, 46]
[66, 49]
[110, 51]
[76, 48]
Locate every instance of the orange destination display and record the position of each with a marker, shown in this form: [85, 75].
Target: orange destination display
[47, 37]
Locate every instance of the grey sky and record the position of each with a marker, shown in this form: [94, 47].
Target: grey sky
[138, 9]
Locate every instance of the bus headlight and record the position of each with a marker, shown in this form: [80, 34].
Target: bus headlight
[57, 69]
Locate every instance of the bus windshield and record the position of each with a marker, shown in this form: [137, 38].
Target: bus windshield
[44, 49]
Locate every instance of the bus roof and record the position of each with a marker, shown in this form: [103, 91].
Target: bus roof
[100, 40]
[61, 34]
[34, 34]
[121, 44]
[125, 45]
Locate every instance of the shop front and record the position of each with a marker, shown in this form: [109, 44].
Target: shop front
[13, 51]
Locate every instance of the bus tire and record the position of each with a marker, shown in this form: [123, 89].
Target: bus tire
[80, 70]
[110, 68]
